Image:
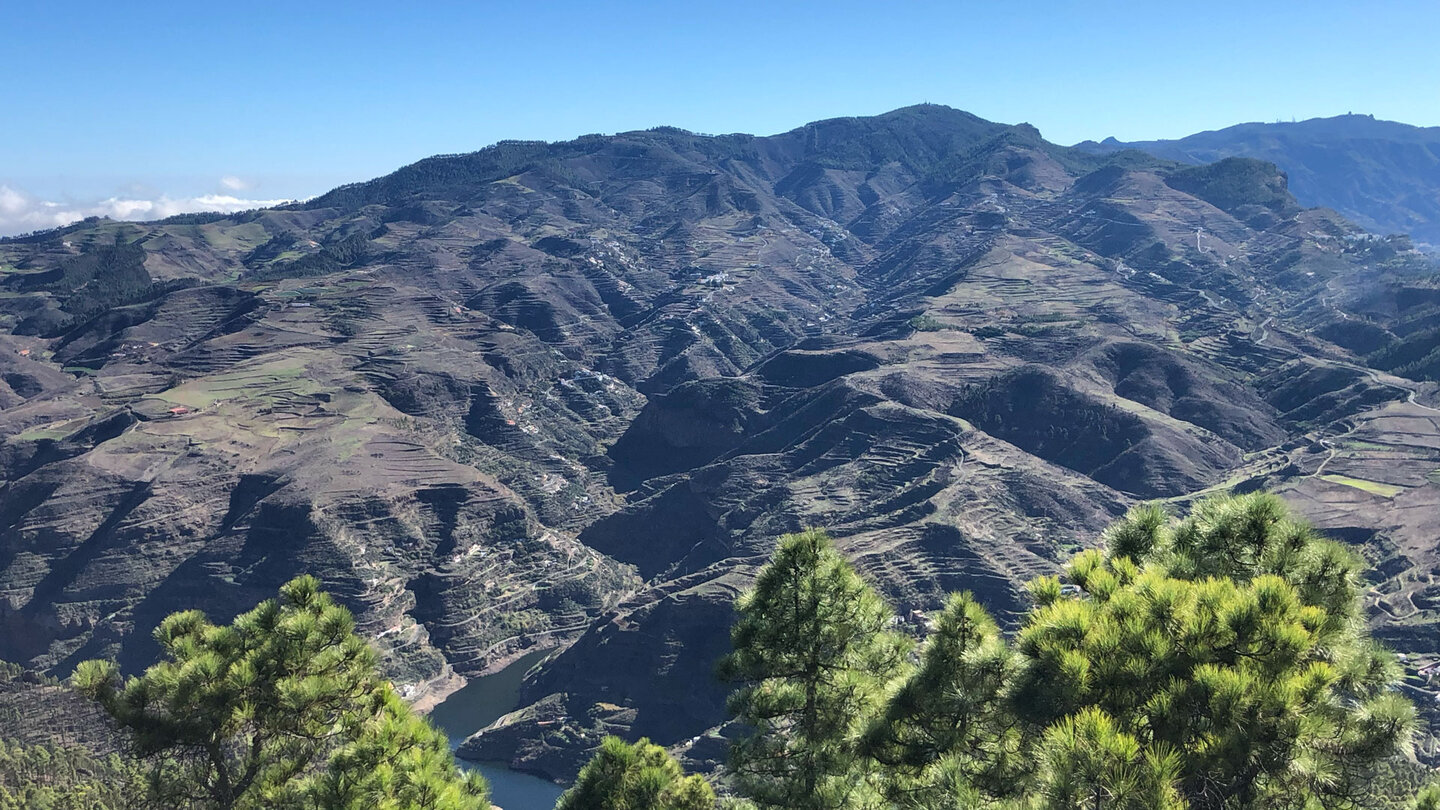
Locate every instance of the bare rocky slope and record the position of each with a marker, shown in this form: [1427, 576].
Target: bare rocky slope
[568, 394]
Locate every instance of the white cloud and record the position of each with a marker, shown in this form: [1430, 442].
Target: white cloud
[12, 202]
[21, 212]
[234, 183]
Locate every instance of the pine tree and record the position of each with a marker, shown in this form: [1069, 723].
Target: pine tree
[1428, 798]
[813, 653]
[948, 734]
[1212, 663]
[1086, 763]
[1232, 640]
[635, 777]
[39, 777]
[395, 761]
[284, 707]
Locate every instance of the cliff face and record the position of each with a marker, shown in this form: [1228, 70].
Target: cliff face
[569, 394]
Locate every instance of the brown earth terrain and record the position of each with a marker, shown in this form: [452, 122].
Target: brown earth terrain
[567, 395]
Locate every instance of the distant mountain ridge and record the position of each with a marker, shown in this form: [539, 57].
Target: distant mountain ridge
[1383, 175]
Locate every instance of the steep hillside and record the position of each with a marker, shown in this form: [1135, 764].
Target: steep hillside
[568, 394]
[1381, 174]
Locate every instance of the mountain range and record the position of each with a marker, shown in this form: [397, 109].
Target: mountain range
[1382, 175]
[568, 394]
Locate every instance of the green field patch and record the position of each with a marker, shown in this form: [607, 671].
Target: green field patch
[37, 434]
[54, 430]
[268, 382]
[1372, 487]
[1359, 445]
[1051, 317]
[351, 440]
[236, 237]
[1433, 477]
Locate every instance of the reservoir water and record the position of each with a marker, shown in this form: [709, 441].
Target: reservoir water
[481, 702]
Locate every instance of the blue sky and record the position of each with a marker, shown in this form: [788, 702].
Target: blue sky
[174, 104]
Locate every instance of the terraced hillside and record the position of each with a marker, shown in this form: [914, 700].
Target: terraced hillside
[568, 394]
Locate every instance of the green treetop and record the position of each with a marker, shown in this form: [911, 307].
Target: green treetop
[282, 708]
[1085, 762]
[949, 728]
[1230, 641]
[635, 777]
[813, 653]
